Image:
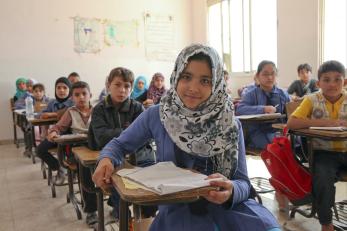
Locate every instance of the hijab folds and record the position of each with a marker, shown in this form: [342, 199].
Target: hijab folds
[210, 130]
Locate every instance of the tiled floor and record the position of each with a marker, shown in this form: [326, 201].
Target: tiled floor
[26, 202]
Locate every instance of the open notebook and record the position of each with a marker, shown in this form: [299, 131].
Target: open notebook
[165, 178]
[330, 128]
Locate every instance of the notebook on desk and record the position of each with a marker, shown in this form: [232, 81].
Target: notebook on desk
[165, 178]
[341, 129]
[137, 193]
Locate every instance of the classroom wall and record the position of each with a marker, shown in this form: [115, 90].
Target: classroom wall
[298, 34]
[36, 41]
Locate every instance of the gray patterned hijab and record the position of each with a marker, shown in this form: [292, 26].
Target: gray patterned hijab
[210, 130]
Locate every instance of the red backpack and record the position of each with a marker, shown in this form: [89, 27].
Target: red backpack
[287, 175]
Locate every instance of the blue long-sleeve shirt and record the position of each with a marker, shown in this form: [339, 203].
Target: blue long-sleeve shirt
[54, 105]
[148, 126]
[254, 102]
[243, 214]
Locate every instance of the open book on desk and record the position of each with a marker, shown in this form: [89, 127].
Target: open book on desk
[340, 129]
[165, 178]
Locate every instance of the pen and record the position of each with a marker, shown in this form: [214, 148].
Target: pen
[276, 105]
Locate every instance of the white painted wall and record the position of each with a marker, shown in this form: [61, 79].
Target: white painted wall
[298, 24]
[36, 40]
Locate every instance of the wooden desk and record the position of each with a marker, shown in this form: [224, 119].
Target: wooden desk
[310, 134]
[267, 118]
[88, 158]
[63, 141]
[40, 122]
[144, 197]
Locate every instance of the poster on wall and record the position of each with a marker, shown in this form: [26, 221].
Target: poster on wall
[160, 37]
[121, 33]
[87, 35]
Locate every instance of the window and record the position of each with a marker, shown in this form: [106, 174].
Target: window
[334, 30]
[244, 32]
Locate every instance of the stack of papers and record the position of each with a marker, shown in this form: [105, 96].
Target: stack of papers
[341, 129]
[165, 178]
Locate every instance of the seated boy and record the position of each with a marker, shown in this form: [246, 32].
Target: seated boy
[327, 108]
[109, 118]
[76, 119]
[74, 77]
[304, 85]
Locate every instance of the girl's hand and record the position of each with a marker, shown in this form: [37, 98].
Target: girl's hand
[147, 103]
[225, 189]
[269, 109]
[103, 173]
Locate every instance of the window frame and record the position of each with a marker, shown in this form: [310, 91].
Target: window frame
[222, 53]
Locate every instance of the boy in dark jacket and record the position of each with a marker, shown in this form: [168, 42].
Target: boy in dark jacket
[109, 118]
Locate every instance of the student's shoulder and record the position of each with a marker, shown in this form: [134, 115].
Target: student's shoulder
[281, 91]
[152, 112]
[295, 82]
[251, 91]
[135, 103]
[52, 101]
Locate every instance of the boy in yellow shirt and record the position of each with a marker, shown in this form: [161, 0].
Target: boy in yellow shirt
[326, 108]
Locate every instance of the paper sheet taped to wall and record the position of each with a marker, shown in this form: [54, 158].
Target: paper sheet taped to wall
[87, 35]
[160, 37]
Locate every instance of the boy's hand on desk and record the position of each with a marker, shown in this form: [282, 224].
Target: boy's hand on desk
[269, 109]
[103, 173]
[225, 189]
[52, 135]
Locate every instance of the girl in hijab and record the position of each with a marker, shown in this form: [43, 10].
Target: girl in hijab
[155, 91]
[21, 88]
[30, 84]
[140, 86]
[194, 126]
[56, 107]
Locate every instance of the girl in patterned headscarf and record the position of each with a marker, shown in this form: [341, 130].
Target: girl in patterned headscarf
[140, 86]
[156, 88]
[194, 127]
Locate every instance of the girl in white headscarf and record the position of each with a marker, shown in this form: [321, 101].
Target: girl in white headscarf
[194, 126]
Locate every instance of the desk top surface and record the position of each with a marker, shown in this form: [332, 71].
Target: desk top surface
[144, 197]
[260, 117]
[43, 121]
[70, 138]
[323, 134]
[86, 156]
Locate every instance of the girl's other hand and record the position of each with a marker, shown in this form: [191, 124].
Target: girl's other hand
[225, 189]
[52, 135]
